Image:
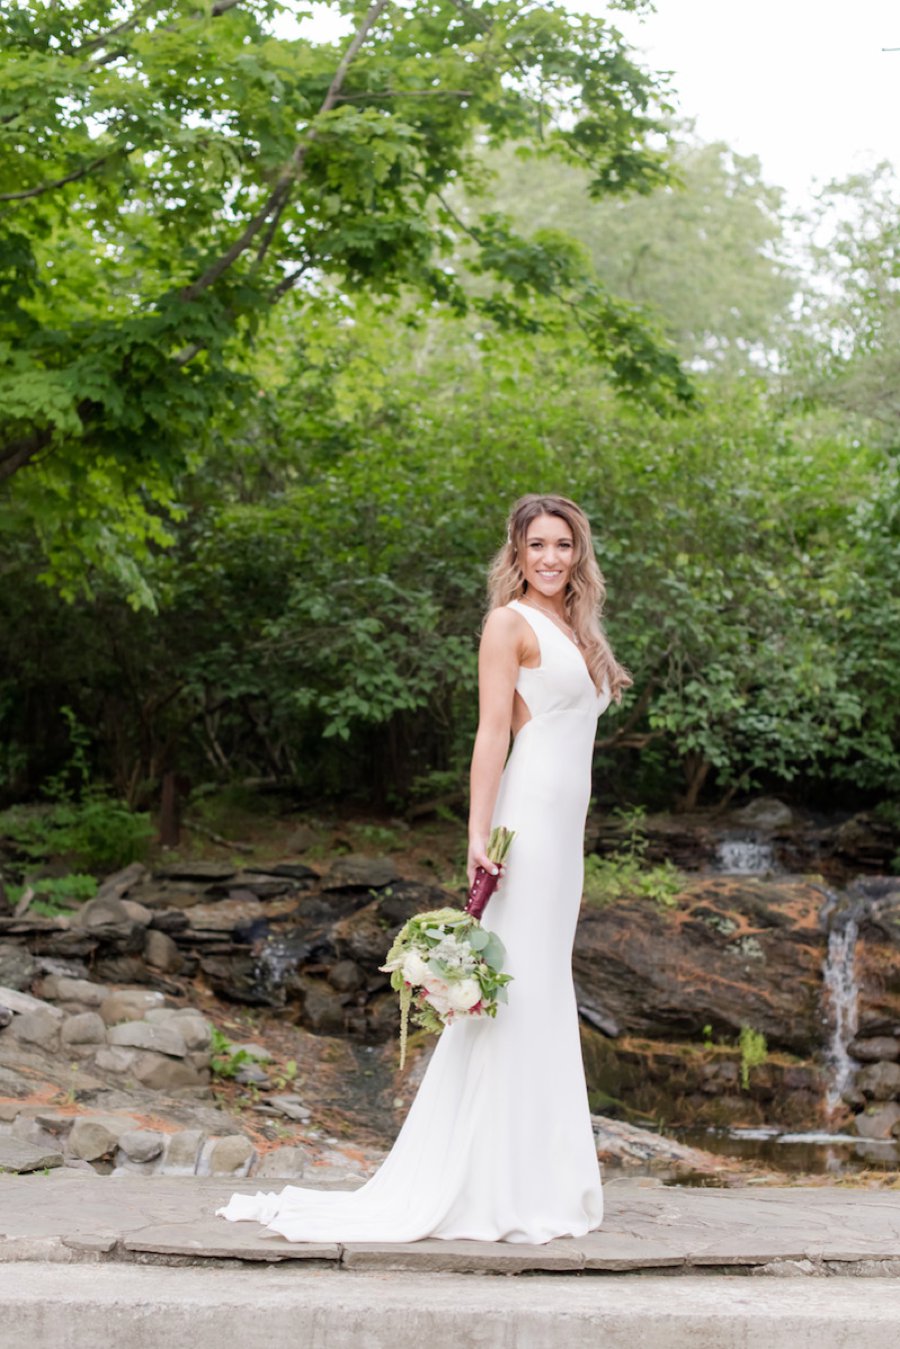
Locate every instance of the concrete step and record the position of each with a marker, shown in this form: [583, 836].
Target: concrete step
[57, 1306]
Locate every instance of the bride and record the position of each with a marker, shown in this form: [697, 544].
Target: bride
[498, 1144]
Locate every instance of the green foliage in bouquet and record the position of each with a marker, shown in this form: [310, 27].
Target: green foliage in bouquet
[426, 935]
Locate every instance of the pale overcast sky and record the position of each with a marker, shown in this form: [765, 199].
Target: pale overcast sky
[804, 84]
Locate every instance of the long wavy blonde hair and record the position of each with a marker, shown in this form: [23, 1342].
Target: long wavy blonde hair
[585, 589]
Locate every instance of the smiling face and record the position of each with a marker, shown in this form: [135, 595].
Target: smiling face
[547, 557]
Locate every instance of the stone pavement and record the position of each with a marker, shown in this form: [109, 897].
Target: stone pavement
[72, 1216]
[141, 1262]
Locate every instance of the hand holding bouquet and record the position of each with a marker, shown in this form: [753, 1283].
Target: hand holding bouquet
[446, 962]
[485, 882]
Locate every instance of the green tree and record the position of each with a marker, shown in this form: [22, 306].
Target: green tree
[170, 172]
[707, 252]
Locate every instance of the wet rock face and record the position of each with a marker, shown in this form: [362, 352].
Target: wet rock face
[736, 952]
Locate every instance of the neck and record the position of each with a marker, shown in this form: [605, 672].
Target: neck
[555, 606]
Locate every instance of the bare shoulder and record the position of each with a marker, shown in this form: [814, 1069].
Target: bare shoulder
[506, 631]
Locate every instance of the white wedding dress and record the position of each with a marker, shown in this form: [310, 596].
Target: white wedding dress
[498, 1144]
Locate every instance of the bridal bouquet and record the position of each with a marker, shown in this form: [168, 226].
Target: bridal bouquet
[446, 963]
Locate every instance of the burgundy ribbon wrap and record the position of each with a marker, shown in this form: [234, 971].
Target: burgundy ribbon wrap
[483, 887]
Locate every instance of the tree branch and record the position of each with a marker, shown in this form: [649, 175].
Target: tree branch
[289, 176]
[56, 182]
[406, 93]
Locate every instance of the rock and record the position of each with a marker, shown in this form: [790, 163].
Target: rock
[254, 1050]
[250, 1074]
[138, 913]
[115, 1059]
[13, 1084]
[666, 973]
[16, 1155]
[142, 1145]
[874, 1048]
[162, 1073]
[103, 911]
[194, 1030]
[227, 915]
[879, 1081]
[346, 976]
[39, 1028]
[766, 812]
[123, 969]
[195, 871]
[6, 1017]
[183, 1152]
[24, 1002]
[17, 968]
[292, 1107]
[130, 1004]
[87, 1028]
[878, 1121]
[231, 1156]
[383, 1014]
[284, 1163]
[303, 837]
[161, 952]
[162, 1039]
[323, 1010]
[83, 992]
[93, 1138]
[190, 1024]
[120, 882]
[357, 872]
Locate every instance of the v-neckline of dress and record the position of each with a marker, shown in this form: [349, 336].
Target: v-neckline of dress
[568, 640]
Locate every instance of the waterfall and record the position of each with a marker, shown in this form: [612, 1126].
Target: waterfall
[745, 856]
[839, 971]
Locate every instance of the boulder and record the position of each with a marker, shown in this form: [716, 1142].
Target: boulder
[303, 837]
[138, 913]
[346, 976]
[734, 951]
[103, 911]
[159, 1072]
[95, 1137]
[205, 872]
[142, 1145]
[40, 1028]
[24, 1002]
[78, 992]
[115, 1059]
[284, 1164]
[231, 1156]
[86, 1028]
[183, 1152]
[17, 968]
[162, 1038]
[766, 812]
[130, 1004]
[875, 1047]
[161, 952]
[358, 872]
[6, 1017]
[879, 1121]
[17, 1155]
[323, 1010]
[879, 1081]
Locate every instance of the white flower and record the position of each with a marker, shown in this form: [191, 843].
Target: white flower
[463, 994]
[415, 969]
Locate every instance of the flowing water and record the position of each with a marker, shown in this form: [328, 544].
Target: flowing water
[745, 856]
[839, 975]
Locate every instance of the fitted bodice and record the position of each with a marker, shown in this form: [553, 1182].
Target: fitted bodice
[561, 683]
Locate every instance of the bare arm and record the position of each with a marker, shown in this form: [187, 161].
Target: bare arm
[499, 658]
